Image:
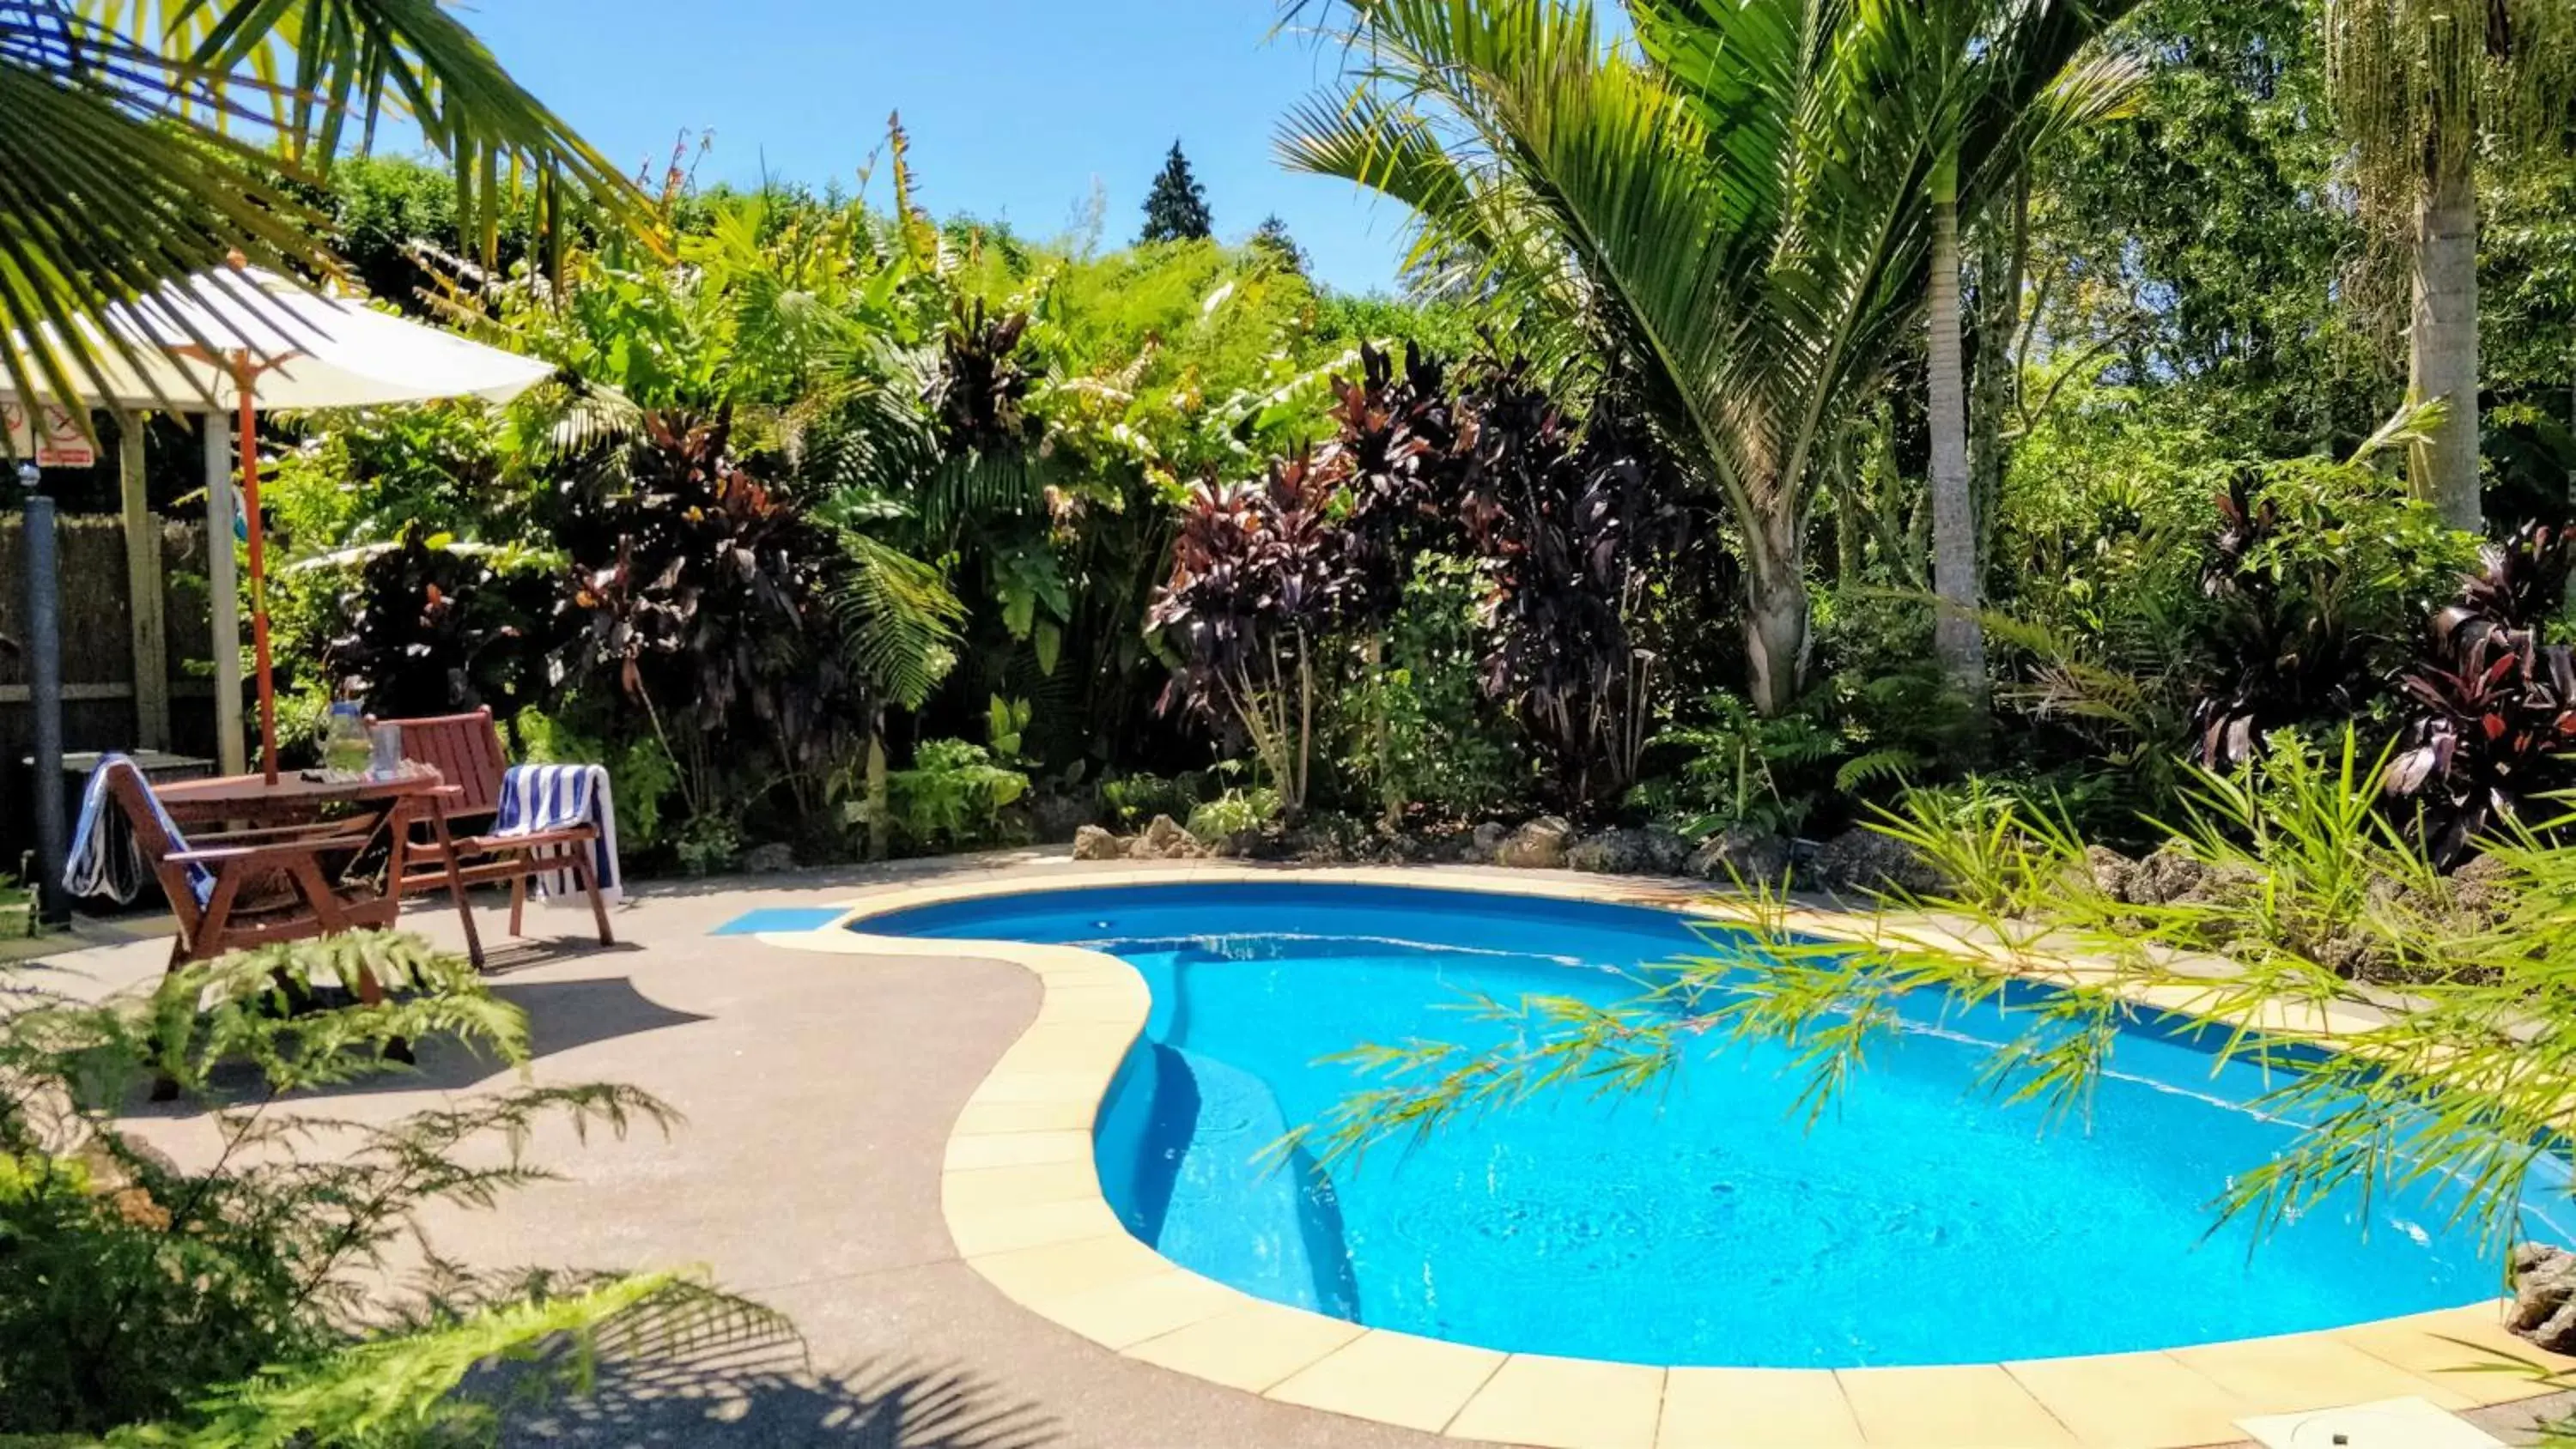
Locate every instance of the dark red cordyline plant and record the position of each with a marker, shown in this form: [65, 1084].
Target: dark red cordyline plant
[433, 630]
[698, 595]
[2295, 656]
[2492, 705]
[1262, 575]
[1573, 525]
[1396, 454]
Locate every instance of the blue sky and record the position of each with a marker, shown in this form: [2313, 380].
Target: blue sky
[1013, 106]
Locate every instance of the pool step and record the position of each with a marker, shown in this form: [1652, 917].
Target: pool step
[1237, 1204]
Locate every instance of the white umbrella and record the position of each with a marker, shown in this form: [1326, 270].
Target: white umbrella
[249, 340]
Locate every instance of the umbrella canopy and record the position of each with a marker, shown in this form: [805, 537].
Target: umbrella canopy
[250, 340]
[304, 349]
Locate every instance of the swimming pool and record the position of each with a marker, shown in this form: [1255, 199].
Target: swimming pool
[1920, 1224]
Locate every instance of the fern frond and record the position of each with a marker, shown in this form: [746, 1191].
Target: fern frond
[1890, 764]
[402, 1389]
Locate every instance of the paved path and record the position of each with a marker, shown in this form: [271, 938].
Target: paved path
[818, 1093]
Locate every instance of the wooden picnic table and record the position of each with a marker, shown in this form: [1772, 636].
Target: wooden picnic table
[249, 807]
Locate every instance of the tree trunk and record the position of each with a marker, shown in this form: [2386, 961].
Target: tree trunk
[1956, 635]
[2442, 350]
[1775, 616]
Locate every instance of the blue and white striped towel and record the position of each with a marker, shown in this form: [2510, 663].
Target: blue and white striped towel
[537, 798]
[104, 859]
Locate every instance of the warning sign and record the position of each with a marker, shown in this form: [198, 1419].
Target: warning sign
[52, 436]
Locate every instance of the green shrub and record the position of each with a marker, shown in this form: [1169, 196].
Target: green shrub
[1133, 800]
[1738, 769]
[1234, 813]
[953, 797]
[1419, 729]
[639, 771]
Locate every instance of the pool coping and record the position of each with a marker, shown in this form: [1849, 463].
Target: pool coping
[1024, 1207]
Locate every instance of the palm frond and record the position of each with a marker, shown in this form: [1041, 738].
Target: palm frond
[898, 618]
[127, 158]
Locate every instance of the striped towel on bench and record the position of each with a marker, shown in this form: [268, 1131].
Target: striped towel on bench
[105, 860]
[538, 798]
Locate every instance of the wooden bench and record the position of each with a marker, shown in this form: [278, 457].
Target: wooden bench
[466, 751]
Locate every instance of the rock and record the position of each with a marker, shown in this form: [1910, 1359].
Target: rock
[1864, 862]
[1741, 855]
[2482, 892]
[2544, 1296]
[767, 859]
[2175, 876]
[1538, 845]
[1654, 851]
[1238, 845]
[1165, 839]
[1668, 851]
[2112, 873]
[1485, 843]
[1326, 838]
[1610, 852]
[1093, 843]
[1054, 817]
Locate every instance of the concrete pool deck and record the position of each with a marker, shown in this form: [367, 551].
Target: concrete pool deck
[880, 1145]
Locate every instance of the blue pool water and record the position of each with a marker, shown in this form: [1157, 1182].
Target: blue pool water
[1921, 1223]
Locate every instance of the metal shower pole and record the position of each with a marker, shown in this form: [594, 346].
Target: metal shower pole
[45, 696]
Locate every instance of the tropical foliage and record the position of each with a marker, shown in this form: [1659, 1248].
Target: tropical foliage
[1989, 430]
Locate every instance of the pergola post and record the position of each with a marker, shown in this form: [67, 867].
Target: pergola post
[143, 591]
[225, 592]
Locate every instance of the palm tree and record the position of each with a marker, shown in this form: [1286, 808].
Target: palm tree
[125, 163]
[1998, 85]
[2419, 85]
[1738, 218]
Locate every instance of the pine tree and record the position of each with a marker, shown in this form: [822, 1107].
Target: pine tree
[1176, 209]
[1273, 238]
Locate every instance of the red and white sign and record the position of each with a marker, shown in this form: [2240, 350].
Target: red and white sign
[53, 437]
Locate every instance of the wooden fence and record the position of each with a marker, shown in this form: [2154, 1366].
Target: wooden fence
[123, 687]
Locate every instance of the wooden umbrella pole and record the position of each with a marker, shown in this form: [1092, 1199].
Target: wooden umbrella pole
[244, 379]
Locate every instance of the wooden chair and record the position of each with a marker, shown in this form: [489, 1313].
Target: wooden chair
[466, 749]
[257, 887]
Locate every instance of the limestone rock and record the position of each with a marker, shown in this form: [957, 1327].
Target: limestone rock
[1485, 843]
[2112, 873]
[2482, 891]
[2175, 876]
[1667, 851]
[1165, 839]
[1654, 851]
[1865, 862]
[1093, 843]
[1239, 845]
[767, 859]
[1540, 844]
[2544, 1296]
[1738, 854]
[1610, 852]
